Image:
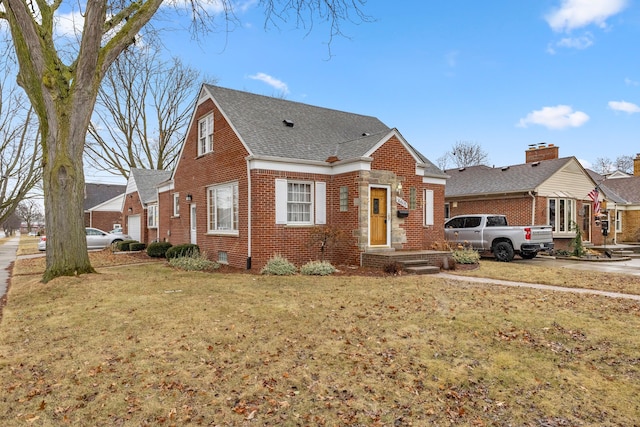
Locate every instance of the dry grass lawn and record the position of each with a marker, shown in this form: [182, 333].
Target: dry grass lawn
[145, 345]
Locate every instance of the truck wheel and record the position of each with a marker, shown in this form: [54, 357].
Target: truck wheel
[503, 252]
[528, 255]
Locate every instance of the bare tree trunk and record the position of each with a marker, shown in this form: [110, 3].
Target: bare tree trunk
[64, 196]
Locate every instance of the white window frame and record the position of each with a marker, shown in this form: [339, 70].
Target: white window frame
[152, 216]
[176, 204]
[317, 203]
[428, 208]
[213, 225]
[205, 134]
[618, 221]
[562, 223]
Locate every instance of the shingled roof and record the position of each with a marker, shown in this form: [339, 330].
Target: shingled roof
[275, 127]
[474, 180]
[146, 181]
[622, 190]
[96, 193]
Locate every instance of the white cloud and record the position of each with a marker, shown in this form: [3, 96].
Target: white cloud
[271, 81]
[624, 106]
[630, 82]
[558, 117]
[574, 14]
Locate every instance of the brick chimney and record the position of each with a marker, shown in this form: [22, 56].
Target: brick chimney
[542, 151]
[636, 165]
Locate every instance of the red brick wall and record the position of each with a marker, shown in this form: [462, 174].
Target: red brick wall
[104, 220]
[227, 163]
[392, 156]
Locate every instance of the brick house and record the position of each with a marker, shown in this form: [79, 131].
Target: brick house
[103, 205]
[140, 204]
[259, 176]
[621, 194]
[546, 189]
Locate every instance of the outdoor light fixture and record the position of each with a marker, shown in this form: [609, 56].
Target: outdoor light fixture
[130, 210]
[189, 198]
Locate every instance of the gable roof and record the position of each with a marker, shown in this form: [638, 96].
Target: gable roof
[275, 127]
[475, 180]
[96, 194]
[145, 182]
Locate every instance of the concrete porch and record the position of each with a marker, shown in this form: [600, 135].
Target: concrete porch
[417, 262]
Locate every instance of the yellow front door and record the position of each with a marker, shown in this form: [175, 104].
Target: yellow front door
[378, 216]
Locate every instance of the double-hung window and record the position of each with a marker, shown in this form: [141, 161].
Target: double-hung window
[152, 216]
[205, 134]
[222, 203]
[300, 202]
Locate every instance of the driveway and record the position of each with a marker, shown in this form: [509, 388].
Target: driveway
[630, 266]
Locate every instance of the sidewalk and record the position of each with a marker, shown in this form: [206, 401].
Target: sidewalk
[8, 252]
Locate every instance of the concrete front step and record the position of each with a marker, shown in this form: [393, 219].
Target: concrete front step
[422, 269]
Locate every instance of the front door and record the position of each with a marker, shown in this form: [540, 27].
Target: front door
[192, 225]
[378, 216]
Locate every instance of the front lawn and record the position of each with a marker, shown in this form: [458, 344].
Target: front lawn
[145, 344]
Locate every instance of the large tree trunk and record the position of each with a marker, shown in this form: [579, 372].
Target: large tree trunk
[64, 188]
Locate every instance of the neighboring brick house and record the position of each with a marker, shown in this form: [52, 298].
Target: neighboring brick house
[259, 176]
[140, 204]
[546, 190]
[621, 193]
[103, 205]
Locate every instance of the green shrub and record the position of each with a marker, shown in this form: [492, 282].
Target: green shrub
[158, 249]
[184, 250]
[317, 268]
[278, 266]
[194, 262]
[466, 256]
[137, 246]
[123, 246]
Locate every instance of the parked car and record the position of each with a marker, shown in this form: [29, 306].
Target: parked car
[96, 239]
[32, 233]
[492, 233]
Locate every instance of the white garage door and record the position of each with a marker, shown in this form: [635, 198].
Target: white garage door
[133, 227]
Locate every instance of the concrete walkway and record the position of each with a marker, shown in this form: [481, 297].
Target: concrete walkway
[8, 252]
[484, 280]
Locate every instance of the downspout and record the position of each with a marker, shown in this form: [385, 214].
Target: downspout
[248, 215]
[533, 207]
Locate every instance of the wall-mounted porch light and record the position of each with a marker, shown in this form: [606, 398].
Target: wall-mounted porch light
[130, 210]
[189, 198]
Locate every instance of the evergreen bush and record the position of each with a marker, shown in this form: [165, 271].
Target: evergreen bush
[317, 268]
[137, 246]
[278, 266]
[123, 246]
[158, 249]
[184, 250]
[466, 256]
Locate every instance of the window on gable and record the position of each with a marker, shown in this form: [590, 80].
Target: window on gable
[561, 214]
[152, 216]
[176, 204]
[205, 135]
[222, 203]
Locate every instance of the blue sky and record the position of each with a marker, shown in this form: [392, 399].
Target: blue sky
[502, 74]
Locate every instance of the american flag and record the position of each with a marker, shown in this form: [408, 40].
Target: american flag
[594, 195]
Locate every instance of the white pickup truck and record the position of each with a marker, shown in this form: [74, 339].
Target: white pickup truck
[485, 232]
